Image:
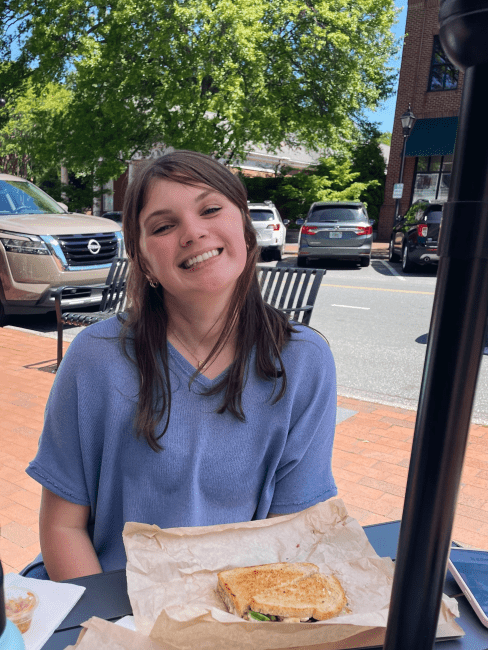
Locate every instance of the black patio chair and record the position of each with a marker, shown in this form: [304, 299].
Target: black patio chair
[291, 290]
[113, 302]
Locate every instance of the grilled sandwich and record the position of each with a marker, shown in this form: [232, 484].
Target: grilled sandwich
[289, 592]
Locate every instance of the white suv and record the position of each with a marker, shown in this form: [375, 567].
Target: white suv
[269, 227]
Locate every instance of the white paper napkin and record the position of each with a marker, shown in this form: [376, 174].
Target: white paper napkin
[127, 622]
[56, 600]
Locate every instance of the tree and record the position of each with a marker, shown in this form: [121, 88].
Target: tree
[333, 179]
[211, 75]
[368, 162]
[28, 143]
[385, 138]
[29, 146]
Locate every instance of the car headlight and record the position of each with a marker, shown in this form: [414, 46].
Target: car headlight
[30, 244]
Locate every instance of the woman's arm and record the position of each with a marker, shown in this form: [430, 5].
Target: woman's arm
[66, 548]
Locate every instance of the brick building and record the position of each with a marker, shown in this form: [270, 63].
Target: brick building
[432, 87]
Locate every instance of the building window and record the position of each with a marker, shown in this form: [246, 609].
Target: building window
[443, 75]
[432, 178]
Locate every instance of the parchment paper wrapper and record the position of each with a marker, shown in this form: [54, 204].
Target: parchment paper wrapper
[172, 580]
[102, 635]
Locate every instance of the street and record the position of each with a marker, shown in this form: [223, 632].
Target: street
[376, 320]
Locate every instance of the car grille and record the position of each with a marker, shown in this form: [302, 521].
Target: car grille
[77, 252]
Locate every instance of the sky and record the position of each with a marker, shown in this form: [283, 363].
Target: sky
[386, 112]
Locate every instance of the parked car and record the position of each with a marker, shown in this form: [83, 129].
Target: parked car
[113, 216]
[415, 236]
[43, 246]
[338, 230]
[269, 227]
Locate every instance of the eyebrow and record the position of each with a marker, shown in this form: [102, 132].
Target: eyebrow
[163, 211]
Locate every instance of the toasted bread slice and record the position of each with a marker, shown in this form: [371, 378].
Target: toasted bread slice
[238, 586]
[316, 596]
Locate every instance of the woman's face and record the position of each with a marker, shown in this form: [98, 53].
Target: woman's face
[192, 240]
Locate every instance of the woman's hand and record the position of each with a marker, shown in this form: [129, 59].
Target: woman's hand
[66, 548]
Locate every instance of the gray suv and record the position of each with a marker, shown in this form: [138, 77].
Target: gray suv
[43, 247]
[338, 230]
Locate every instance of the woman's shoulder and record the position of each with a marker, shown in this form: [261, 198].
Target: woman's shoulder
[307, 334]
[307, 345]
[108, 329]
[97, 340]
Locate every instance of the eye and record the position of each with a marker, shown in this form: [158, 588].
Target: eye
[161, 229]
[211, 210]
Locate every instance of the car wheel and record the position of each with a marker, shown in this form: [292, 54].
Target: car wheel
[392, 256]
[407, 264]
[302, 262]
[278, 254]
[3, 317]
[364, 261]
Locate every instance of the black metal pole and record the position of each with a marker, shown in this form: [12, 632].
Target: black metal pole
[451, 367]
[400, 178]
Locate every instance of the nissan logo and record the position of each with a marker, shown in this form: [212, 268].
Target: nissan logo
[94, 247]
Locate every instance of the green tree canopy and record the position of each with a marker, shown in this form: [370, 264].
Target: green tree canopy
[27, 141]
[385, 138]
[215, 76]
[368, 162]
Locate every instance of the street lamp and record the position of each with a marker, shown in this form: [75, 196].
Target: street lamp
[408, 120]
[2, 102]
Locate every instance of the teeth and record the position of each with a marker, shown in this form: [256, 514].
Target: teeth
[200, 258]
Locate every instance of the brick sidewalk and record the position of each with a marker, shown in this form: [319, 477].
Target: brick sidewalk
[370, 461]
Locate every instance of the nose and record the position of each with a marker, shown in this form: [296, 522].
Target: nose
[192, 228]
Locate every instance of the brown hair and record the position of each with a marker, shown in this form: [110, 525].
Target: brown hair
[146, 322]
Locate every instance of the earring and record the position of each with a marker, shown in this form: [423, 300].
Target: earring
[153, 283]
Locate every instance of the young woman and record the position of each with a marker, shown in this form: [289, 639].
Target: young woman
[202, 404]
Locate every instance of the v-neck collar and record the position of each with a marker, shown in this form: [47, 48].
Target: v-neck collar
[190, 370]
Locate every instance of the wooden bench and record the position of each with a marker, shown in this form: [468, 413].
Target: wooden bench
[113, 302]
[290, 289]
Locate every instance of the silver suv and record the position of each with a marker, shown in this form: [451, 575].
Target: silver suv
[338, 230]
[42, 247]
[269, 227]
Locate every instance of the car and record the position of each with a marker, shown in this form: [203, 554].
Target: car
[270, 229]
[113, 216]
[414, 238]
[43, 247]
[336, 230]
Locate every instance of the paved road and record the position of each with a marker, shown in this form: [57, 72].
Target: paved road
[376, 320]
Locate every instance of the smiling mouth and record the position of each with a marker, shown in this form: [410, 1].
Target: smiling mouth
[193, 261]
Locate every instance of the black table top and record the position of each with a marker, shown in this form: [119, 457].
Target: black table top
[106, 597]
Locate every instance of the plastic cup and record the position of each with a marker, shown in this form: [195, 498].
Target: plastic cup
[20, 604]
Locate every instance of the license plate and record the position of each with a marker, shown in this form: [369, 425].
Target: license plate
[335, 235]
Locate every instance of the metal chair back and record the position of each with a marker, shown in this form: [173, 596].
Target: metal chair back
[115, 293]
[114, 298]
[292, 290]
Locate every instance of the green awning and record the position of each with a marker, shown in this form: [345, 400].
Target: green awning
[432, 137]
